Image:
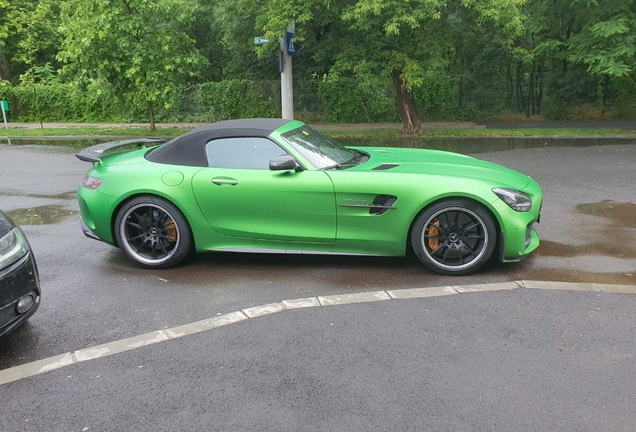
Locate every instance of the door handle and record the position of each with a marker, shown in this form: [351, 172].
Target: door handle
[220, 181]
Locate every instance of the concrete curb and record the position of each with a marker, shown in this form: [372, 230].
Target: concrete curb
[66, 359]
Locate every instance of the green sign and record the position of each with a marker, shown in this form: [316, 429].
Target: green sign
[260, 40]
[5, 105]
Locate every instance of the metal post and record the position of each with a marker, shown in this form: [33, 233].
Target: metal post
[4, 115]
[286, 83]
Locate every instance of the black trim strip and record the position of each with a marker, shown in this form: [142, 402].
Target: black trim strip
[385, 166]
[368, 206]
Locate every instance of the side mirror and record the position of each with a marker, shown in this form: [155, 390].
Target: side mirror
[284, 163]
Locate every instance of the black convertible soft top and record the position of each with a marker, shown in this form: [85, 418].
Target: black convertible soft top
[189, 149]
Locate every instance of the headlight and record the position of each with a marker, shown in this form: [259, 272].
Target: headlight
[515, 199]
[13, 246]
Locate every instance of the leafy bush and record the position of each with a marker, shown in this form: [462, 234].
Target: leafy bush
[232, 99]
[348, 100]
[63, 103]
[437, 98]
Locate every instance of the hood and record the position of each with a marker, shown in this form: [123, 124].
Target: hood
[435, 162]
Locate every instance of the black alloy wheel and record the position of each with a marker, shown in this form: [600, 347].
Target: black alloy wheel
[153, 232]
[454, 237]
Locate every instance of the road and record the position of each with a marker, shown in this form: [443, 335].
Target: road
[310, 369]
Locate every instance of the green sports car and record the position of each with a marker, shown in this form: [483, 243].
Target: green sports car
[279, 186]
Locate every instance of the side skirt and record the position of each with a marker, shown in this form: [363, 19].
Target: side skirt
[291, 251]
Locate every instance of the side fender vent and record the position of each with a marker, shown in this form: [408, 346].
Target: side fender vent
[386, 166]
[382, 204]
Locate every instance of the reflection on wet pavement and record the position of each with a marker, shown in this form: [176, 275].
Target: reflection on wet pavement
[624, 213]
[575, 275]
[70, 195]
[43, 215]
[554, 249]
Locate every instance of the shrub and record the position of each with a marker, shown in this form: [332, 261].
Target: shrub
[348, 100]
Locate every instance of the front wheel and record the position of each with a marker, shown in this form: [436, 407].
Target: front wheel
[153, 232]
[454, 237]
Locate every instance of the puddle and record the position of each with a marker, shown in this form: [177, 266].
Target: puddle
[43, 215]
[75, 143]
[623, 213]
[472, 145]
[554, 249]
[71, 195]
[566, 275]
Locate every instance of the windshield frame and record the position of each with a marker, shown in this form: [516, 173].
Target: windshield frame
[320, 151]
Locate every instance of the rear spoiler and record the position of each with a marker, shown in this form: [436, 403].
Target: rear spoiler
[93, 153]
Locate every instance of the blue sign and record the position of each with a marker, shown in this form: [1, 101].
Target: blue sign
[291, 45]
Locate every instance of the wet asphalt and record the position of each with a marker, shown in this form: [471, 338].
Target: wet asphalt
[359, 367]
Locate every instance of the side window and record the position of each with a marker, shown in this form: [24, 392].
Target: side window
[245, 153]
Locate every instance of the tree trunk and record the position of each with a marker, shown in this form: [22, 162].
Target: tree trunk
[531, 93]
[408, 112]
[152, 117]
[605, 90]
[511, 87]
[540, 85]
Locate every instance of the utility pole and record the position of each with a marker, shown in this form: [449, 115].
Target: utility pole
[288, 49]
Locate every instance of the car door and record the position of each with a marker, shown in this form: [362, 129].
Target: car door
[241, 197]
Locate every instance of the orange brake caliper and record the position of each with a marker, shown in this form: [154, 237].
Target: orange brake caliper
[433, 243]
[171, 230]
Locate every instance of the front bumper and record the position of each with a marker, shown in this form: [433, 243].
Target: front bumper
[517, 237]
[17, 281]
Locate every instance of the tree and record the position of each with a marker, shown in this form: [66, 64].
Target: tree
[139, 46]
[607, 41]
[410, 37]
[31, 39]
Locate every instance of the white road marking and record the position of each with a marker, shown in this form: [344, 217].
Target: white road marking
[48, 364]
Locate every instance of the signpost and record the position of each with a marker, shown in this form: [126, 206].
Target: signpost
[287, 51]
[5, 107]
[291, 45]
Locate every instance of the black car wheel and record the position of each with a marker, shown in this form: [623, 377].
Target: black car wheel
[454, 237]
[153, 232]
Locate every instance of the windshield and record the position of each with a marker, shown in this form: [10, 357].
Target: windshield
[320, 150]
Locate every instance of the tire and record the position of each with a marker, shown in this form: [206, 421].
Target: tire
[153, 232]
[454, 237]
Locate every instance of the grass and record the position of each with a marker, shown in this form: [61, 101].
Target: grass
[89, 132]
[173, 132]
[482, 132]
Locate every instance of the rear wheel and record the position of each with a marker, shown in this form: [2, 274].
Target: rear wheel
[153, 232]
[454, 237]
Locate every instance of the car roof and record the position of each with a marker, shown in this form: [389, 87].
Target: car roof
[189, 149]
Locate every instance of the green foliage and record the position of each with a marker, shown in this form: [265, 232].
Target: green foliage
[607, 42]
[347, 100]
[62, 102]
[139, 46]
[437, 97]
[232, 99]
[106, 60]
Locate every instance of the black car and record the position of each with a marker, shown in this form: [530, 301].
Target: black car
[19, 278]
